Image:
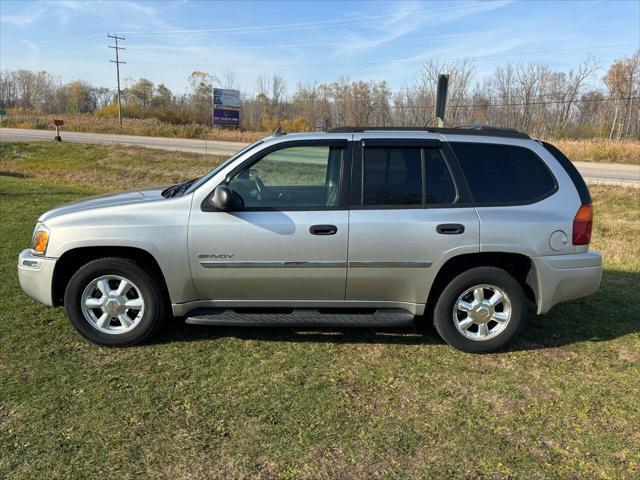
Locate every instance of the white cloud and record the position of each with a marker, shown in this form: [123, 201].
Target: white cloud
[407, 18]
[34, 48]
[24, 19]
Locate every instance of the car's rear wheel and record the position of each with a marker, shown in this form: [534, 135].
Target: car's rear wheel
[115, 302]
[480, 310]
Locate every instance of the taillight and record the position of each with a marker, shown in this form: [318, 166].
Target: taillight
[582, 224]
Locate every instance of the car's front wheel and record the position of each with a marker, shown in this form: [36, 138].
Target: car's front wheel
[480, 310]
[114, 302]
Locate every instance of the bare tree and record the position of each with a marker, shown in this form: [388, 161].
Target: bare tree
[528, 96]
[623, 81]
[229, 78]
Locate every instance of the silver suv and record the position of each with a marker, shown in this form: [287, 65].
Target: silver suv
[355, 226]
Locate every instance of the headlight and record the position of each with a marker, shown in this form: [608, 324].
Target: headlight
[40, 239]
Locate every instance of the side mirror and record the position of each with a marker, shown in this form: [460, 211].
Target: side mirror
[222, 198]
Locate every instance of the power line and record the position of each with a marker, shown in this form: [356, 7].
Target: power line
[522, 104]
[289, 46]
[354, 44]
[350, 21]
[117, 61]
[388, 62]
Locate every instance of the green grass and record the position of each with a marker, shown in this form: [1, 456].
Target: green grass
[209, 402]
[102, 167]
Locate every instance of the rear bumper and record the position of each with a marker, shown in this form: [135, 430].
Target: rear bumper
[566, 277]
[36, 275]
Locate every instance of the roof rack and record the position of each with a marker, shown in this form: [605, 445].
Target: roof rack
[460, 130]
[278, 132]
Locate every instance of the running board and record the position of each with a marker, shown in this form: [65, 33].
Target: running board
[303, 317]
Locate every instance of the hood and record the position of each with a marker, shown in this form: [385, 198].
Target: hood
[102, 201]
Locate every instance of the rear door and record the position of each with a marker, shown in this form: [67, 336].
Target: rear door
[410, 212]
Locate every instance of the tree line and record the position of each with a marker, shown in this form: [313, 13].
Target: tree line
[531, 97]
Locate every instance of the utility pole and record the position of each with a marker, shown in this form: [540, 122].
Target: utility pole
[613, 125]
[117, 61]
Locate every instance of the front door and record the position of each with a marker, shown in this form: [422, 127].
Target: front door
[408, 217]
[289, 240]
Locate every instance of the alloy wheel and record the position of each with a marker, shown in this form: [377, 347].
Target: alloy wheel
[112, 304]
[482, 312]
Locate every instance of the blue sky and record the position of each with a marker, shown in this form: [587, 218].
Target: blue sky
[308, 41]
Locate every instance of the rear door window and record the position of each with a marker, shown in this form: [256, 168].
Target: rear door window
[439, 186]
[504, 174]
[392, 176]
[405, 176]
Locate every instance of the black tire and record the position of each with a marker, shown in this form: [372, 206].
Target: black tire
[155, 305]
[443, 319]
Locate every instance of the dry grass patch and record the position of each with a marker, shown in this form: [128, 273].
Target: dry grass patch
[149, 127]
[600, 150]
[583, 150]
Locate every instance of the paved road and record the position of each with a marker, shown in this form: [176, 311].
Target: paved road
[607, 173]
[610, 173]
[182, 144]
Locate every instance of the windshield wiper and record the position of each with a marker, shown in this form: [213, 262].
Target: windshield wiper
[179, 188]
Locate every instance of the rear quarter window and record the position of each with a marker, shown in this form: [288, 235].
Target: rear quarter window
[504, 174]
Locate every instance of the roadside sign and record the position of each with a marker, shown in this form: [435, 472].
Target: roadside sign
[226, 97]
[226, 117]
[58, 123]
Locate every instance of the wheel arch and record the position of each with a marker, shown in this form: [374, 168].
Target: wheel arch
[73, 259]
[518, 265]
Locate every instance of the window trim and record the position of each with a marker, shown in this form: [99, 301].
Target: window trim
[400, 143]
[357, 173]
[256, 157]
[513, 203]
[572, 171]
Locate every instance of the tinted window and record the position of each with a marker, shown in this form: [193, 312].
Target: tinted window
[503, 173]
[439, 186]
[307, 176]
[392, 176]
[572, 171]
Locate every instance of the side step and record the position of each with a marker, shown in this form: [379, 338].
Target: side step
[302, 317]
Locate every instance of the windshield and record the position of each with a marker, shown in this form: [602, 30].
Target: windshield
[206, 178]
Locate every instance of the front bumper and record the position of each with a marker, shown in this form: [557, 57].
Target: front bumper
[36, 276]
[566, 277]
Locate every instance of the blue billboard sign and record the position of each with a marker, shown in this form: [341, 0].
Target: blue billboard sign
[226, 97]
[226, 117]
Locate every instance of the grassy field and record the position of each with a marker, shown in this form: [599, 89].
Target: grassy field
[209, 402]
[101, 167]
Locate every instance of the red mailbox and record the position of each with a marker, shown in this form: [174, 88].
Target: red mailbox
[58, 123]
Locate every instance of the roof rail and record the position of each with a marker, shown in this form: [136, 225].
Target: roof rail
[487, 130]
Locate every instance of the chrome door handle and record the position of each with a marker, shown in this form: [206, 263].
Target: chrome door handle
[323, 229]
[450, 228]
